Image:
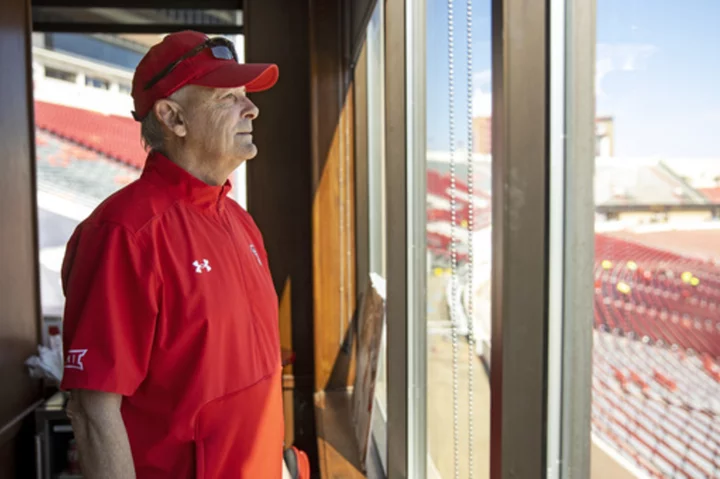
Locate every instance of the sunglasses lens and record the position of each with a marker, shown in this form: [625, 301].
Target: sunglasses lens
[220, 49]
[222, 52]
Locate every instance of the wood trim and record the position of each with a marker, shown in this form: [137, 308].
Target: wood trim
[362, 214]
[334, 258]
[136, 28]
[337, 447]
[285, 319]
[161, 4]
[19, 295]
[8, 430]
[333, 224]
[288, 386]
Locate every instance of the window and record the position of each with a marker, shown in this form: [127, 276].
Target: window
[118, 53]
[375, 56]
[58, 74]
[504, 143]
[458, 268]
[97, 83]
[656, 313]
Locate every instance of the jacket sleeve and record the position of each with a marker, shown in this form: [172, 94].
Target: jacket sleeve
[112, 291]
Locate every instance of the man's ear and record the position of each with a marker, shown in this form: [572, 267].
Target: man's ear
[171, 114]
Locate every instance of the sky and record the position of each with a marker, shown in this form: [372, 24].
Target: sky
[657, 74]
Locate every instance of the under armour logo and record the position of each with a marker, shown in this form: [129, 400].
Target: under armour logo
[199, 267]
[74, 359]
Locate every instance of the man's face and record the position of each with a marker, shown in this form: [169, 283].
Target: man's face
[219, 123]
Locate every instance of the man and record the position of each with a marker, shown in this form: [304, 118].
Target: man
[171, 328]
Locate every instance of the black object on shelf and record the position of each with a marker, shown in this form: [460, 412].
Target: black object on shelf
[54, 440]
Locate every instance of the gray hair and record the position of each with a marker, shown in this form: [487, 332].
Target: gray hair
[153, 136]
[151, 130]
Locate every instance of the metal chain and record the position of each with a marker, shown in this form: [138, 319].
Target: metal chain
[453, 240]
[471, 230]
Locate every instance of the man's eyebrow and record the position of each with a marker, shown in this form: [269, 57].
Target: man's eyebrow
[225, 91]
[221, 92]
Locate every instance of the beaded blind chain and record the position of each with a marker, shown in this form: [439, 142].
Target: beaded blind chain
[453, 240]
[470, 225]
[456, 300]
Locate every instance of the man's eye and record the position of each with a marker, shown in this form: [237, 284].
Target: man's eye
[228, 96]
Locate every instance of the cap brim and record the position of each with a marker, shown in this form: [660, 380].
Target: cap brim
[254, 77]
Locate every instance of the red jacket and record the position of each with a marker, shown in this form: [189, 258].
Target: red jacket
[170, 303]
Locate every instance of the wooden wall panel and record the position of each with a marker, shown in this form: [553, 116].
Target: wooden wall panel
[301, 187]
[279, 184]
[333, 152]
[19, 297]
[334, 258]
[362, 190]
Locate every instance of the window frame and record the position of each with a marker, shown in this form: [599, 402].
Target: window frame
[405, 150]
[542, 239]
[578, 218]
[370, 204]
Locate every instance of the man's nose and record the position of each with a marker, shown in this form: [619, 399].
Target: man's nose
[250, 111]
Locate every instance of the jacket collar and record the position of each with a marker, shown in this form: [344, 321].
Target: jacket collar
[182, 184]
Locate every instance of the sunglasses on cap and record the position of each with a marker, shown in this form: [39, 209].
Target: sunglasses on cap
[221, 48]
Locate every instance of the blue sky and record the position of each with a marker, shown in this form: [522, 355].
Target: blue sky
[658, 74]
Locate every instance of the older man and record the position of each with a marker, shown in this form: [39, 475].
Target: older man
[171, 329]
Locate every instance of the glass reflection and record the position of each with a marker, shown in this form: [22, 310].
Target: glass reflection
[656, 369]
[458, 237]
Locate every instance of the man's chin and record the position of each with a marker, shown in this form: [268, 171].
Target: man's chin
[247, 153]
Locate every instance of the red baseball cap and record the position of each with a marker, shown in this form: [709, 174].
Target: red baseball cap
[192, 58]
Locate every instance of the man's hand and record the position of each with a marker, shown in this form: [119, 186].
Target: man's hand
[100, 433]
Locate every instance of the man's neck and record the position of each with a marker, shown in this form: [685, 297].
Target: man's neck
[199, 166]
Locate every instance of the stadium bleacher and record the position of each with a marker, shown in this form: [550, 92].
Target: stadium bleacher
[656, 356]
[660, 297]
[656, 379]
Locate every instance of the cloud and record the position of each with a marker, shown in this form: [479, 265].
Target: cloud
[482, 79]
[610, 58]
[710, 116]
[482, 94]
[620, 57]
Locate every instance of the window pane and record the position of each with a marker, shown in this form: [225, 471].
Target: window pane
[376, 205]
[657, 256]
[458, 188]
[102, 48]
